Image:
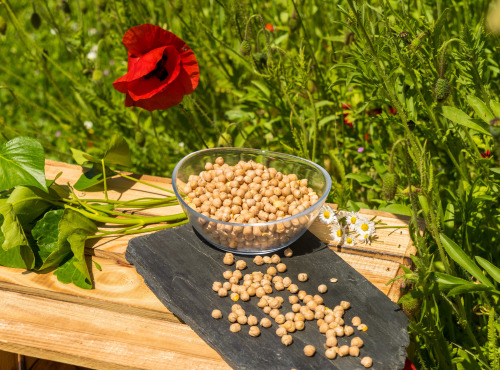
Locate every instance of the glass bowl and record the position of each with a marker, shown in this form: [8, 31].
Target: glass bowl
[252, 238]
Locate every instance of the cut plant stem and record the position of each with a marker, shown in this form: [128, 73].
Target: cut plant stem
[130, 231]
[145, 183]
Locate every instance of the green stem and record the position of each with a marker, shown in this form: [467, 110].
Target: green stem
[104, 179]
[156, 135]
[145, 183]
[128, 231]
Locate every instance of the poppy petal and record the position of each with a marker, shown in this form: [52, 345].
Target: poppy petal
[171, 96]
[190, 67]
[141, 39]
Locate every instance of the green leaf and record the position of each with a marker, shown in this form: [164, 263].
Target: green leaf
[459, 256]
[81, 157]
[15, 250]
[457, 116]
[118, 152]
[495, 107]
[447, 282]
[399, 209]
[481, 109]
[361, 178]
[468, 288]
[92, 177]
[490, 268]
[75, 270]
[46, 234]
[353, 206]
[97, 266]
[22, 162]
[29, 202]
[70, 223]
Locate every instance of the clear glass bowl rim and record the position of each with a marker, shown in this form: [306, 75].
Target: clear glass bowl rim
[306, 212]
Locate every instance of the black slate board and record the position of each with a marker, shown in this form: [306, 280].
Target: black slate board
[180, 267]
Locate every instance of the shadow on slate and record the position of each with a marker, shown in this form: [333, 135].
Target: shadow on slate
[180, 267]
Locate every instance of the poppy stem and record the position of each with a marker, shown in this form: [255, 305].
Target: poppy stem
[188, 115]
[204, 114]
[156, 134]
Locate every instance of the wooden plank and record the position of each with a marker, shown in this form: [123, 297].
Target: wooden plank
[96, 338]
[182, 280]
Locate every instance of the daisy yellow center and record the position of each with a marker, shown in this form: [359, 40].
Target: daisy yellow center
[353, 220]
[365, 236]
[326, 214]
[339, 233]
[364, 227]
[349, 240]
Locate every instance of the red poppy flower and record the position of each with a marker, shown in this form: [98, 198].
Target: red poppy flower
[347, 120]
[486, 154]
[161, 68]
[409, 365]
[270, 27]
[392, 110]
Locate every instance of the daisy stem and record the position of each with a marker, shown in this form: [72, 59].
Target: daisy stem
[392, 227]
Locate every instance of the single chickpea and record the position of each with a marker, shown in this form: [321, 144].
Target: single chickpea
[354, 351]
[219, 161]
[240, 265]
[235, 327]
[266, 259]
[296, 307]
[260, 292]
[329, 318]
[302, 294]
[265, 322]
[274, 313]
[357, 342]
[299, 317]
[286, 339]
[217, 314]
[216, 286]
[258, 260]
[281, 267]
[330, 333]
[290, 316]
[268, 289]
[254, 331]
[242, 320]
[367, 361]
[309, 350]
[348, 330]
[267, 310]
[239, 312]
[281, 331]
[339, 321]
[222, 292]
[320, 322]
[235, 297]
[343, 351]
[277, 278]
[319, 315]
[323, 328]
[312, 305]
[345, 305]
[362, 327]
[275, 303]
[275, 259]
[234, 280]
[330, 353]
[322, 288]
[228, 259]
[318, 299]
[293, 288]
[238, 274]
[244, 296]
[309, 315]
[308, 298]
[299, 325]
[339, 331]
[331, 341]
[235, 307]
[252, 320]
[232, 317]
[302, 277]
[289, 326]
[280, 319]
[279, 286]
[262, 303]
[293, 299]
[251, 291]
[272, 271]
[356, 321]
[287, 282]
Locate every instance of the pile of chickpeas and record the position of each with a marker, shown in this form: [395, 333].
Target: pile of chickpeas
[249, 192]
[304, 307]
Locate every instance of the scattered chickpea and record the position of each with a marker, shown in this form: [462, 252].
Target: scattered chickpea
[287, 282]
[275, 259]
[251, 291]
[227, 285]
[281, 267]
[254, 331]
[228, 259]
[267, 310]
[357, 342]
[301, 294]
[367, 361]
[217, 314]
[300, 325]
[280, 319]
[266, 259]
[343, 351]
[288, 252]
[293, 288]
[348, 330]
[235, 297]
[232, 317]
[265, 322]
[227, 274]
[308, 298]
[258, 260]
[293, 299]
[222, 292]
[322, 288]
[362, 327]
[245, 296]
[345, 305]
[330, 353]
[354, 351]
[339, 331]
[235, 327]
[309, 350]
[296, 307]
[323, 328]
[286, 339]
[331, 341]
[216, 286]
[356, 321]
[272, 271]
[237, 274]
[309, 315]
[333, 280]
[241, 265]
[235, 307]
[242, 320]
[281, 331]
[318, 299]
[279, 286]
[252, 320]
[290, 316]
[302, 277]
[239, 312]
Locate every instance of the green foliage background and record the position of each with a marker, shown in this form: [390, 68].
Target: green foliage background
[418, 80]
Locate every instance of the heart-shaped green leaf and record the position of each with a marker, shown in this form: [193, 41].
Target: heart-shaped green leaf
[22, 162]
[92, 177]
[117, 152]
[81, 157]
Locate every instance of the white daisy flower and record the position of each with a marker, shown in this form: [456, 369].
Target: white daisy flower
[88, 124]
[349, 241]
[365, 226]
[338, 234]
[327, 215]
[351, 218]
[365, 237]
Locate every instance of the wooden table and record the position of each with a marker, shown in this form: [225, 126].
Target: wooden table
[121, 324]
